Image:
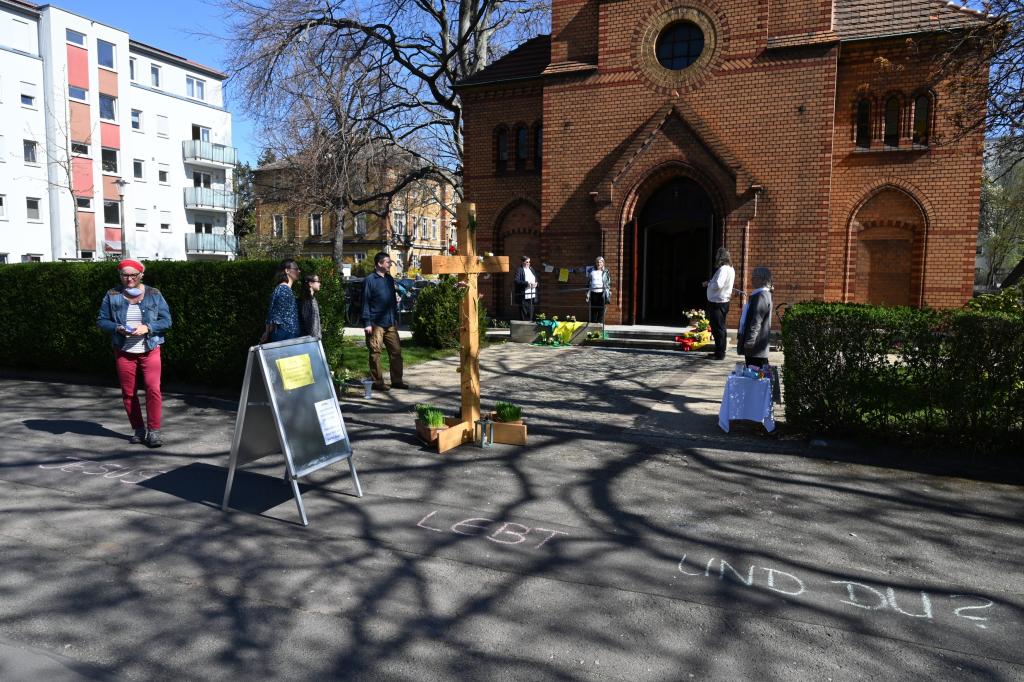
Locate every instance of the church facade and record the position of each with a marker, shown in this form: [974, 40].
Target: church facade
[804, 135]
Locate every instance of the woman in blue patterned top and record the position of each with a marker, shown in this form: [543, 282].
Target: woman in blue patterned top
[283, 318]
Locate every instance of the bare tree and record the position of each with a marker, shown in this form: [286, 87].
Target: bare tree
[1002, 224]
[993, 46]
[364, 86]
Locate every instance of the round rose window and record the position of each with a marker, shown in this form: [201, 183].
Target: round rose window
[679, 45]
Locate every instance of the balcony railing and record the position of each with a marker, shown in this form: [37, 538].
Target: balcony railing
[205, 197]
[211, 243]
[197, 151]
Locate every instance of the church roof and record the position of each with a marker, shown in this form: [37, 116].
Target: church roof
[523, 63]
[864, 19]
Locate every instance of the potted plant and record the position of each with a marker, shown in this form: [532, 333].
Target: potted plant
[508, 423]
[508, 413]
[429, 421]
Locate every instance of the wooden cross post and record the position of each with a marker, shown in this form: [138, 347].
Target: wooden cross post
[467, 266]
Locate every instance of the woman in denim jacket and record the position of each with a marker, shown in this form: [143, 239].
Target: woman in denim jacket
[136, 317]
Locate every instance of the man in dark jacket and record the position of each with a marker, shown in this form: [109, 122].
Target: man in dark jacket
[756, 320]
[526, 289]
[380, 322]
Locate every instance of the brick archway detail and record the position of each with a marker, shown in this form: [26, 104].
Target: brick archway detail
[513, 236]
[916, 233]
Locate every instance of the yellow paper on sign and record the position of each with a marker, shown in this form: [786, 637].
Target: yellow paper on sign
[563, 275]
[296, 371]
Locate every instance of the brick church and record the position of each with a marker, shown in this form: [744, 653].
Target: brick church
[802, 134]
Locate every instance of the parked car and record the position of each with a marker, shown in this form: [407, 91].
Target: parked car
[354, 302]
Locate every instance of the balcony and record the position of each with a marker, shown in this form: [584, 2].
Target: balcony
[207, 199]
[219, 244]
[199, 153]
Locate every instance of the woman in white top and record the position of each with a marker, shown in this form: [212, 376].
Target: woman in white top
[599, 291]
[719, 293]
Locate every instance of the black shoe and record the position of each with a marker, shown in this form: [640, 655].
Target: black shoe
[138, 437]
[153, 439]
[400, 384]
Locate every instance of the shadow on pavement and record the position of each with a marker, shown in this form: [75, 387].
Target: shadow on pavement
[252, 492]
[77, 426]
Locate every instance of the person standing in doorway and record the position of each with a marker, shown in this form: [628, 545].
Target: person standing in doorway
[599, 290]
[380, 322]
[526, 289]
[137, 317]
[719, 292]
[283, 316]
[756, 320]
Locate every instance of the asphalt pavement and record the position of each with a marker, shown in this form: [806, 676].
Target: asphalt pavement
[631, 539]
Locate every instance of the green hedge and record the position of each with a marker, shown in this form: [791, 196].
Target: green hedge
[218, 308]
[435, 317]
[951, 377]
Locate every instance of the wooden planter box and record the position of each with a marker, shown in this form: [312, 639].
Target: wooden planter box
[427, 434]
[512, 433]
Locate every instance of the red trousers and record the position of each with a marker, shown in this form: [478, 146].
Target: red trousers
[130, 367]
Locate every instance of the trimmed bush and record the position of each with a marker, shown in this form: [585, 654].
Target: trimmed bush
[218, 309]
[435, 318]
[952, 377]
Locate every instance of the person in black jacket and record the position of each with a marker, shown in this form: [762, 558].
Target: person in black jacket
[756, 320]
[526, 289]
[380, 322]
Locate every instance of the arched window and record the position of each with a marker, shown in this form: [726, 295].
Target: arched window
[892, 122]
[863, 124]
[522, 148]
[922, 119]
[501, 139]
[538, 146]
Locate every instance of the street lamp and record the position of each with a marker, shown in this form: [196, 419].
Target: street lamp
[121, 182]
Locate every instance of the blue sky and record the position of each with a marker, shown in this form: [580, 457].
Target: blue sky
[173, 25]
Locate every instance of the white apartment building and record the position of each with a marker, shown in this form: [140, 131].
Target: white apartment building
[24, 201]
[136, 158]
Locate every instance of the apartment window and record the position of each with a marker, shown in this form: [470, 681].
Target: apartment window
[154, 75]
[398, 222]
[108, 108]
[75, 37]
[359, 256]
[131, 68]
[200, 133]
[136, 119]
[139, 169]
[3, 259]
[81, 94]
[316, 224]
[3, 206]
[360, 224]
[141, 219]
[28, 94]
[165, 221]
[433, 228]
[201, 179]
[277, 229]
[80, 149]
[204, 228]
[105, 53]
[112, 213]
[162, 174]
[83, 203]
[163, 126]
[31, 258]
[108, 159]
[32, 208]
[195, 88]
[29, 147]
[86, 255]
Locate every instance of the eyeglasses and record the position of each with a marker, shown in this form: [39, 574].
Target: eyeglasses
[129, 275]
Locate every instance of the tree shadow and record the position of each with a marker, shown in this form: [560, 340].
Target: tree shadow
[75, 426]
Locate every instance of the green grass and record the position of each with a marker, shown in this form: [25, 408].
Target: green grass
[356, 357]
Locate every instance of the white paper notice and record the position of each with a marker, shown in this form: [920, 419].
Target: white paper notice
[330, 421]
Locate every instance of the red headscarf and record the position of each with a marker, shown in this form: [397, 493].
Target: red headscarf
[129, 263]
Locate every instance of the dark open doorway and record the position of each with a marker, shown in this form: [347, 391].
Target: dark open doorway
[677, 236]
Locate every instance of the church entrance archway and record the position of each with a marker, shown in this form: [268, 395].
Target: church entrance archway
[676, 239]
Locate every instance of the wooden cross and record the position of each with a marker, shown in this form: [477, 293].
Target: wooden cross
[467, 266]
